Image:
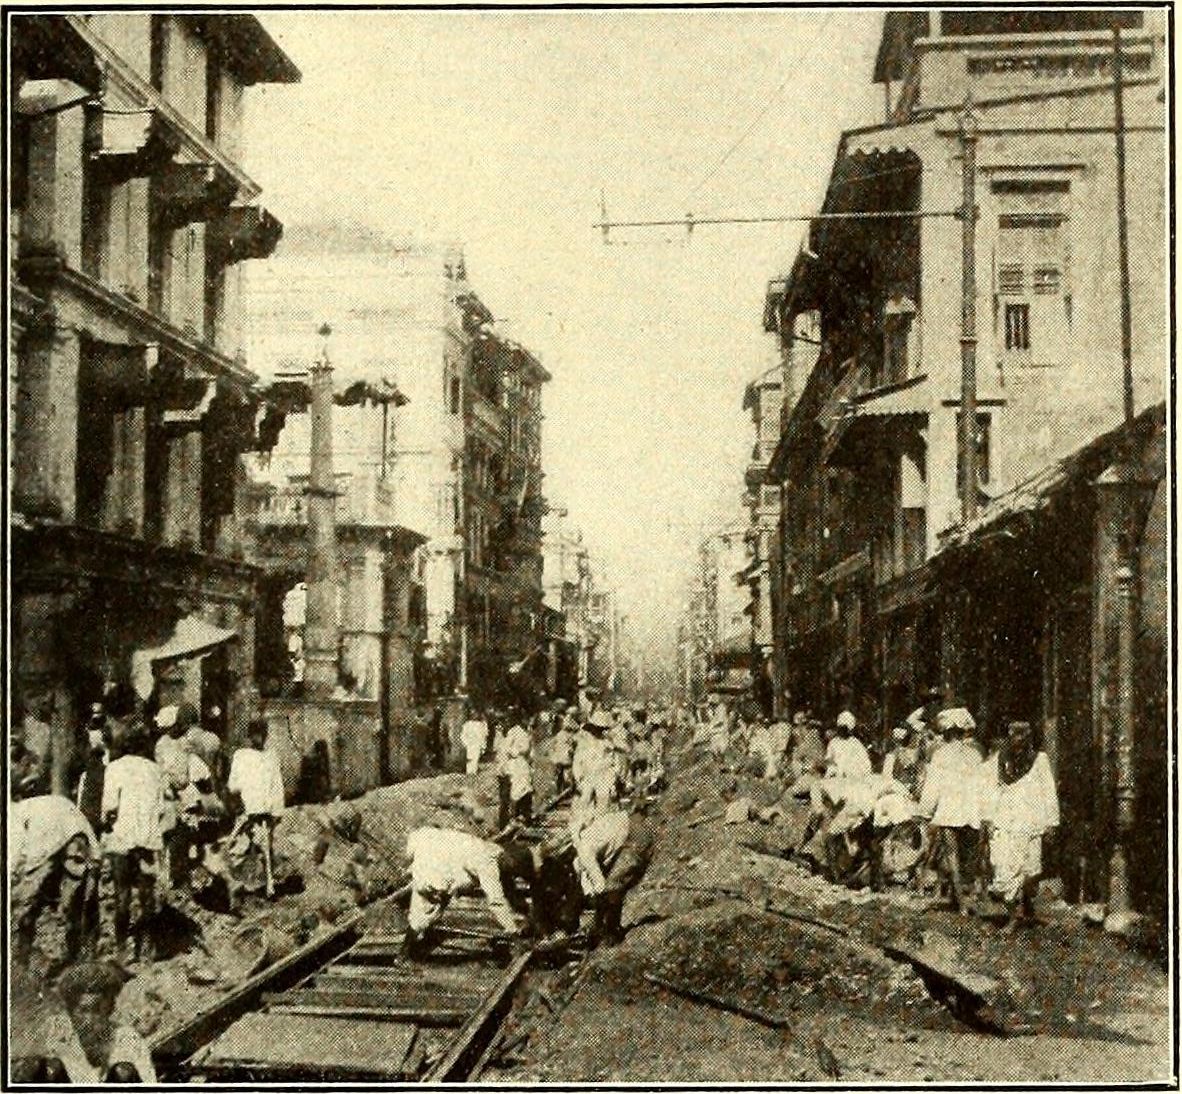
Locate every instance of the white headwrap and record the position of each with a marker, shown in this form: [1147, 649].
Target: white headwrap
[845, 720]
[957, 718]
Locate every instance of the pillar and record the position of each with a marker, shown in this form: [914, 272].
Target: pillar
[182, 488]
[46, 428]
[321, 623]
[123, 500]
[52, 218]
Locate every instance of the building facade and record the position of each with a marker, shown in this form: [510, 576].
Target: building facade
[132, 222]
[871, 612]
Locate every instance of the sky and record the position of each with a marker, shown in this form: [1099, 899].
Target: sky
[503, 131]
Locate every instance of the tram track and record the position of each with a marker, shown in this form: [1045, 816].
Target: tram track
[351, 1006]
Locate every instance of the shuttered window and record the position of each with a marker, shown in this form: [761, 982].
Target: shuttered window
[1032, 304]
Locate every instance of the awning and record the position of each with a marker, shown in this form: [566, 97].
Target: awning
[914, 396]
[191, 637]
[242, 232]
[866, 419]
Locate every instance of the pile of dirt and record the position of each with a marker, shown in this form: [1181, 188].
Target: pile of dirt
[332, 859]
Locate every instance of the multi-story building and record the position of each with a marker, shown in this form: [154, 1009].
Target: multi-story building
[501, 616]
[461, 461]
[132, 220]
[764, 398]
[874, 601]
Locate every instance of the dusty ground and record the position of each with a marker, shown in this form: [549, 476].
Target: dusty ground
[1101, 1011]
[347, 855]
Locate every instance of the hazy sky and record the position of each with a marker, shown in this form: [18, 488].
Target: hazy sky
[500, 129]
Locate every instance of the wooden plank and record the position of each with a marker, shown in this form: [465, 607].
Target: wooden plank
[199, 1030]
[719, 1003]
[455, 1063]
[409, 991]
[411, 1016]
[265, 1040]
[378, 1000]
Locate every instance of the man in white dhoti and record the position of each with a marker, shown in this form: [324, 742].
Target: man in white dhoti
[1019, 805]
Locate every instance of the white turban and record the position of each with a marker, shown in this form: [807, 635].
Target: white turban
[845, 720]
[957, 718]
[166, 717]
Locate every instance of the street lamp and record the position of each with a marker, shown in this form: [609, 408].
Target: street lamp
[1124, 494]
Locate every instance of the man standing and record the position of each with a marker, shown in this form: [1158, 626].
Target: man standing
[561, 750]
[445, 863]
[173, 760]
[951, 797]
[256, 778]
[516, 752]
[474, 738]
[132, 805]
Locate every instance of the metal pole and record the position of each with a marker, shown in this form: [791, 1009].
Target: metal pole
[1122, 224]
[968, 314]
[320, 621]
[1125, 578]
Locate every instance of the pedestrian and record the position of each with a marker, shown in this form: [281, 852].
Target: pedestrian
[98, 755]
[950, 796]
[445, 863]
[202, 741]
[561, 750]
[905, 762]
[257, 780]
[173, 758]
[612, 852]
[86, 1042]
[1020, 806]
[53, 862]
[516, 756]
[474, 738]
[132, 806]
[846, 761]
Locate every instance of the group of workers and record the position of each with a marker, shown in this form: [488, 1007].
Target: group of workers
[982, 816]
[612, 763]
[152, 810]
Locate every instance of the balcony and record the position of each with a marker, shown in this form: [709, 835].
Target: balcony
[488, 419]
[361, 502]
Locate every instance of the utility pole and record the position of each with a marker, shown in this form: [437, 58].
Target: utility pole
[1130, 494]
[321, 637]
[968, 312]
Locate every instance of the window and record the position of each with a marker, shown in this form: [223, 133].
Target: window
[1017, 318]
[453, 395]
[1032, 301]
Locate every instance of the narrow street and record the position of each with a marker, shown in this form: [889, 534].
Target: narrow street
[591, 545]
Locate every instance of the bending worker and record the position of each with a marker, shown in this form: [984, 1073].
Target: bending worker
[612, 852]
[445, 863]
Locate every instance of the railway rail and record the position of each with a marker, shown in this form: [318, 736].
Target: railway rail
[350, 1006]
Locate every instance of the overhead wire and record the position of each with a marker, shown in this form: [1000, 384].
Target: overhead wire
[768, 104]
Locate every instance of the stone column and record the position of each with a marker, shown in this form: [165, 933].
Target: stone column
[52, 219]
[321, 631]
[46, 425]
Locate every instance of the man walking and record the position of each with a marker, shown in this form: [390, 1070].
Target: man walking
[132, 805]
[256, 778]
[474, 738]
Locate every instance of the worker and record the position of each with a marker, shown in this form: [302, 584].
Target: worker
[98, 754]
[950, 796]
[474, 738]
[445, 863]
[132, 806]
[173, 758]
[612, 852]
[85, 1044]
[596, 776]
[203, 742]
[561, 748]
[53, 861]
[257, 780]
[516, 754]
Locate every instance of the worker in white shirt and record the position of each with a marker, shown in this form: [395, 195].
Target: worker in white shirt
[516, 754]
[133, 802]
[474, 738]
[846, 761]
[257, 779]
[173, 757]
[53, 860]
[561, 749]
[445, 863]
[612, 852]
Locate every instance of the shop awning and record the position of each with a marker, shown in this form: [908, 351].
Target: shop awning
[191, 637]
